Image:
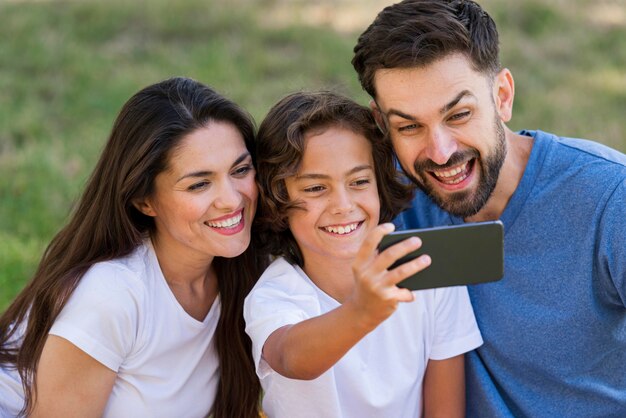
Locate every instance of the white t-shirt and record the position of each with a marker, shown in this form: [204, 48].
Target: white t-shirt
[124, 315]
[381, 376]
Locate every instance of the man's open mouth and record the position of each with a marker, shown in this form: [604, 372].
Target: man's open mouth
[455, 174]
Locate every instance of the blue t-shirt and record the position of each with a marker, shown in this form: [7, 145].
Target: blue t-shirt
[555, 325]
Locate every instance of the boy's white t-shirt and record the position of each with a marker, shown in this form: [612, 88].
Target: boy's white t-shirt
[381, 376]
[124, 315]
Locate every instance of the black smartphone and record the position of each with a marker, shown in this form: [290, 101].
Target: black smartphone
[464, 254]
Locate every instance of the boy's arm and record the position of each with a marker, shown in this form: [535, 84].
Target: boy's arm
[444, 388]
[309, 348]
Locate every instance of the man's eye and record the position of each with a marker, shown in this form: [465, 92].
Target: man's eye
[460, 116]
[407, 128]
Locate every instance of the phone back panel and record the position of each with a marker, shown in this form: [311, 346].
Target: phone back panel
[461, 254]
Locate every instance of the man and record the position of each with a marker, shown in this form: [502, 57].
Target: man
[555, 325]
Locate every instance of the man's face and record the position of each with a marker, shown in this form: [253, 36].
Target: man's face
[445, 128]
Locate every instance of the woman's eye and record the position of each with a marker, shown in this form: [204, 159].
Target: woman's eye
[198, 186]
[243, 170]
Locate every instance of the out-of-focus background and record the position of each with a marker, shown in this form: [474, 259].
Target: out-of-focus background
[66, 68]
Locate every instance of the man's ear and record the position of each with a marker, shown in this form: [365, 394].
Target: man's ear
[504, 92]
[378, 116]
[144, 206]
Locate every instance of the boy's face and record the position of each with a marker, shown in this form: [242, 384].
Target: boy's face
[445, 123]
[336, 187]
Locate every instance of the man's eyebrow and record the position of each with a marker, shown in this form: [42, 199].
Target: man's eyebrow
[446, 108]
[456, 100]
[399, 113]
[207, 173]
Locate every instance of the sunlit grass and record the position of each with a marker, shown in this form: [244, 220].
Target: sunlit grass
[66, 67]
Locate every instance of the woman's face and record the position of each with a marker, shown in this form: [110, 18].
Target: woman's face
[204, 202]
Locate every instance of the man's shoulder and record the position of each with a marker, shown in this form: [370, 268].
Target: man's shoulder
[580, 148]
[422, 213]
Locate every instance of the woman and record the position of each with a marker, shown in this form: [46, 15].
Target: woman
[135, 308]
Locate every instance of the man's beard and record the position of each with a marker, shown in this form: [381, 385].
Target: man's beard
[465, 203]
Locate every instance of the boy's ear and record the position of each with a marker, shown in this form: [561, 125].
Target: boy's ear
[378, 117]
[504, 92]
[144, 206]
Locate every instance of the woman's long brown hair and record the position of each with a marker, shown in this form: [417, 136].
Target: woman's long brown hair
[105, 225]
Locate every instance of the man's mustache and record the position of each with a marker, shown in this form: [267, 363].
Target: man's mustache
[456, 158]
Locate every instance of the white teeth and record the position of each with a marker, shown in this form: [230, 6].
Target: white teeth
[341, 230]
[455, 181]
[226, 223]
[442, 174]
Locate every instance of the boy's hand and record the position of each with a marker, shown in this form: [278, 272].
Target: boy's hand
[376, 295]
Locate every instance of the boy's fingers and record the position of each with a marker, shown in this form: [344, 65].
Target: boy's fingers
[370, 244]
[395, 252]
[407, 269]
[404, 295]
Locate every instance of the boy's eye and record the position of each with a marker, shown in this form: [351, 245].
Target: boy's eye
[361, 182]
[314, 189]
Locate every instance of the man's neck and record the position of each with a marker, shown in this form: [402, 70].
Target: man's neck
[518, 152]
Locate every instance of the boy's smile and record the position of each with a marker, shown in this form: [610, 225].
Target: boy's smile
[342, 229]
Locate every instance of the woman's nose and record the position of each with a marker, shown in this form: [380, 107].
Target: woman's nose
[228, 195]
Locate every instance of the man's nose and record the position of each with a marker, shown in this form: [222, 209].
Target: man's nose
[441, 145]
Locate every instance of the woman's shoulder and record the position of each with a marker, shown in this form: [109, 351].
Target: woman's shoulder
[119, 285]
[108, 314]
[129, 272]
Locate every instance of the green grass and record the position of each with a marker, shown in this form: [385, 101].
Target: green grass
[66, 67]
